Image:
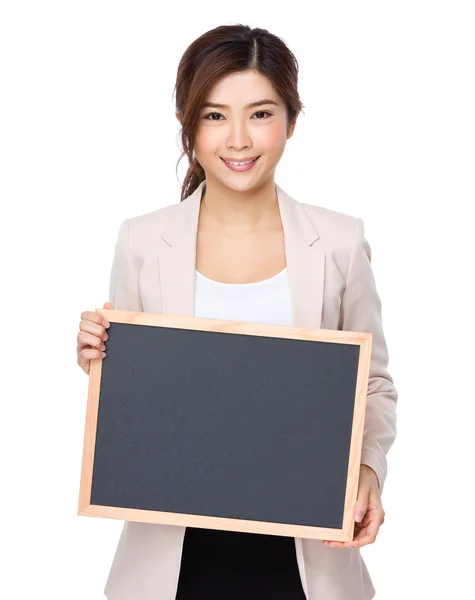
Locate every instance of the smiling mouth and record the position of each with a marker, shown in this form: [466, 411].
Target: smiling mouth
[240, 166]
[240, 162]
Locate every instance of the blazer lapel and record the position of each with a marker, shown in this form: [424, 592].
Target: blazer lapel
[305, 260]
[177, 259]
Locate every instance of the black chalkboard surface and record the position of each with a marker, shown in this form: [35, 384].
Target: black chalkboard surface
[226, 425]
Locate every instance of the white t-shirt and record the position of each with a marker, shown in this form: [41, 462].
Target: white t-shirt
[265, 301]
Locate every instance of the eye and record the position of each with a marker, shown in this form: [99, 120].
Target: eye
[262, 112]
[212, 114]
[259, 112]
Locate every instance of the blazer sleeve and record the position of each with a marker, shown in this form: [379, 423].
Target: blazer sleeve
[124, 291]
[361, 311]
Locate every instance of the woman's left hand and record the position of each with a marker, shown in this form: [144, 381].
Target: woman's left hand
[369, 513]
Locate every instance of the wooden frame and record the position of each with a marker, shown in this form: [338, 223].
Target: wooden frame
[346, 533]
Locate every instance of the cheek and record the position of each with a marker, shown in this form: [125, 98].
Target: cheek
[207, 141]
[273, 137]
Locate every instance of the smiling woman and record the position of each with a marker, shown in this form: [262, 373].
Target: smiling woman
[250, 77]
[237, 247]
[242, 129]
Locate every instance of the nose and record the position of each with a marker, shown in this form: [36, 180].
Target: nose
[238, 136]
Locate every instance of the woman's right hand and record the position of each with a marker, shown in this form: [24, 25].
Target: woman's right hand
[91, 337]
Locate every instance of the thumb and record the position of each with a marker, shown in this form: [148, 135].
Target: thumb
[361, 504]
[108, 305]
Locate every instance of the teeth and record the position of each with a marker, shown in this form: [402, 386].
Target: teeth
[240, 164]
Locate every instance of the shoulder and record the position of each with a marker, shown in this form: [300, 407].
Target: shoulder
[334, 226]
[145, 230]
[141, 235]
[155, 220]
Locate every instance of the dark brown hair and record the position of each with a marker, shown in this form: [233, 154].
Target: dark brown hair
[215, 54]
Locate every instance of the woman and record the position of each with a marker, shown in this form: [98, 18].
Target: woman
[234, 247]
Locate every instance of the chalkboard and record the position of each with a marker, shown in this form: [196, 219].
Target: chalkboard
[226, 425]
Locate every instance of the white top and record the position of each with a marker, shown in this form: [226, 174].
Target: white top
[265, 301]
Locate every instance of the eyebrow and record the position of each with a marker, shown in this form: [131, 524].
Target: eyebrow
[252, 105]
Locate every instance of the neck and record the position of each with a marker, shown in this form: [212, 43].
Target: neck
[235, 211]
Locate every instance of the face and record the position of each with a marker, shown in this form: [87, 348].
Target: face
[237, 131]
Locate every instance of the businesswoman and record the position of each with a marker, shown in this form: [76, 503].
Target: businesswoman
[238, 247]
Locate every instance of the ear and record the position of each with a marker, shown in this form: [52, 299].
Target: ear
[291, 128]
[178, 117]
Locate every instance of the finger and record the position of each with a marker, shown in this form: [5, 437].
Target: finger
[108, 305]
[360, 510]
[94, 317]
[350, 544]
[87, 328]
[93, 328]
[362, 502]
[341, 545]
[87, 339]
[85, 357]
[366, 535]
[360, 531]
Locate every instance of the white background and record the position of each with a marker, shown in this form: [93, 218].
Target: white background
[89, 137]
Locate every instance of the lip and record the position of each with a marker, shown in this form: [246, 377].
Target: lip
[237, 169]
[239, 159]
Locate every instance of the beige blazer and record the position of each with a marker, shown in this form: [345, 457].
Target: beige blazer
[332, 287]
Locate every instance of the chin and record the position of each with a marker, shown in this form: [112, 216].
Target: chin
[231, 182]
[242, 186]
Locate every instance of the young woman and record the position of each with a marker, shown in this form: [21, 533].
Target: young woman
[238, 247]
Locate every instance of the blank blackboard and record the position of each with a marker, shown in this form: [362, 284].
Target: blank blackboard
[226, 425]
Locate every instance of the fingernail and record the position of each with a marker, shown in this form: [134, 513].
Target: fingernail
[104, 354]
[103, 347]
[106, 323]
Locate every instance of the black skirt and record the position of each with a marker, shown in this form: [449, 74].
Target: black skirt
[230, 565]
